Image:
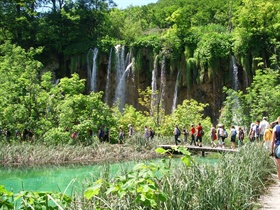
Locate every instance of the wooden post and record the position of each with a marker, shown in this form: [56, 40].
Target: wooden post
[203, 153]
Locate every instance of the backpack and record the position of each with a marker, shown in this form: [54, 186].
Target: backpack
[101, 133]
[201, 132]
[234, 133]
[178, 132]
[225, 134]
[73, 135]
[257, 130]
[241, 134]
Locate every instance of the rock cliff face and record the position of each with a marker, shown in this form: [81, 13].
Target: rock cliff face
[122, 72]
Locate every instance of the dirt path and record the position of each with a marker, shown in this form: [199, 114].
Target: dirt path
[271, 200]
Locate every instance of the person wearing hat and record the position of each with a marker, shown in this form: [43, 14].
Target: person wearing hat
[275, 149]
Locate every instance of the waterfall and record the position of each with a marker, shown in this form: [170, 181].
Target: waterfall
[120, 62]
[154, 86]
[175, 93]
[108, 77]
[123, 65]
[92, 70]
[234, 74]
[235, 105]
[154, 77]
[121, 88]
[162, 82]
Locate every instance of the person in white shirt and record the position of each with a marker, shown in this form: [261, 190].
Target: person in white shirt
[264, 124]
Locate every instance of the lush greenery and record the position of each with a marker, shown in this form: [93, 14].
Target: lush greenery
[206, 33]
[203, 33]
[234, 182]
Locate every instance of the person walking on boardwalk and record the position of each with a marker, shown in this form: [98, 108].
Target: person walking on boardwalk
[146, 134]
[186, 133]
[221, 135]
[152, 133]
[121, 136]
[199, 134]
[275, 149]
[240, 137]
[176, 133]
[106, 137]
[192, 132]
[130, 130]
[213, 136]
[233, 134]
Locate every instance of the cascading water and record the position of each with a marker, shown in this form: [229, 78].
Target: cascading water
[234, 74]
[120, 62]
[162, 82]
[121, 88]
[154, 77]
[123, 65]
[108, 77]
[235, 85]
[92, 70]
[154, 84]
[175, 93]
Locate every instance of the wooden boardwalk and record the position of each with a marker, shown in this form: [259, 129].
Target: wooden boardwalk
[202, 149]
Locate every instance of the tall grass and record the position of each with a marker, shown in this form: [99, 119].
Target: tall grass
[235, 182]
[27, 154]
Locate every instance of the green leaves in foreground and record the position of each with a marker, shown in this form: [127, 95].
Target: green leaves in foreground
[186, 158]
[5, 196]
[33, 200]
[142, 186]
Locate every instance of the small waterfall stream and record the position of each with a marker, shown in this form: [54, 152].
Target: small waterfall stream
[108, 77]
[162, 82]
[154, 84]
[235, 85]
[121, 88]
[123, 65]
[175, 93]
[92, 70]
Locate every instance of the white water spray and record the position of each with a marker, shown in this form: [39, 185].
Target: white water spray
[175, 93]
[92, 70]
[108, 77]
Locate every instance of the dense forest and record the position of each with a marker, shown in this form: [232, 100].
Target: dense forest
[180, 59]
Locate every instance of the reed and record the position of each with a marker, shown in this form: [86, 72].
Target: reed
[235, 182]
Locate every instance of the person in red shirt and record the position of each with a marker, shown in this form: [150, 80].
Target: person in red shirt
[192, 133]
[198, 134]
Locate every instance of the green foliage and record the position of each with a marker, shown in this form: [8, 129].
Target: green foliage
[187, 113]
[42, 200]
[260, 100]
[142, 185]
[131, 116]
[5, 198]
[263, 94]
[56, 136]
[33, 200]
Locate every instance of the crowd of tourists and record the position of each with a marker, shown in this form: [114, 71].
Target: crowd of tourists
[259, 131]
[26, 135]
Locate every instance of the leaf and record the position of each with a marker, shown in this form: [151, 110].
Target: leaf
[161, 151]
[94, 190]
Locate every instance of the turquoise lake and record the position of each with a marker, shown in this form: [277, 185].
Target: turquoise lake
[64, 178]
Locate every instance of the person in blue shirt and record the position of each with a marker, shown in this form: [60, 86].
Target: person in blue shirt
[275, 149]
